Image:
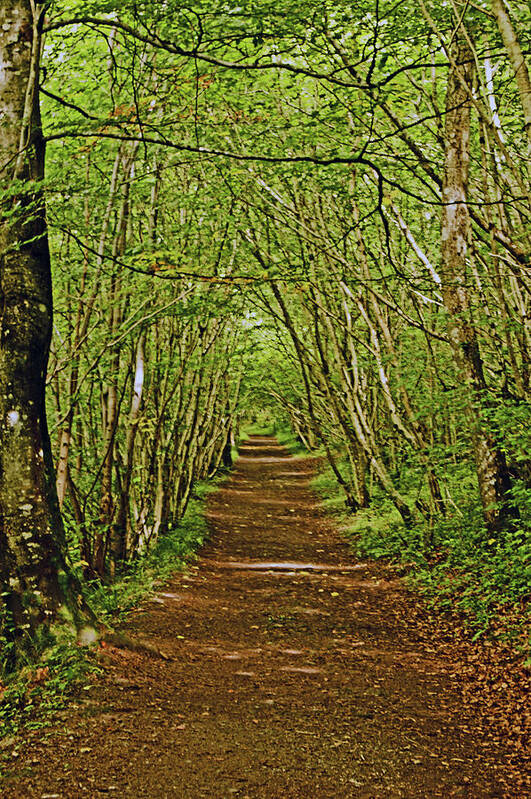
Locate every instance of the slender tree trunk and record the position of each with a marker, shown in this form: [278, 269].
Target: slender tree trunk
[516, 56]
[226, 457]
[120, 527]
[107, 503]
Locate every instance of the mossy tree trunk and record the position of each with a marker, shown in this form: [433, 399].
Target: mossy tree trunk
[33, 575]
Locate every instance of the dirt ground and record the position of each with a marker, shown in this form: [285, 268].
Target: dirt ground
[291, 670]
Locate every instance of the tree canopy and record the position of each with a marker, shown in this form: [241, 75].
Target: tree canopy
[313, 214]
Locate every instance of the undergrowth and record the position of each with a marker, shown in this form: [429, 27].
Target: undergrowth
[288, 439]
[454, 565]
[283, 434]
[28, 697]
[171, 553]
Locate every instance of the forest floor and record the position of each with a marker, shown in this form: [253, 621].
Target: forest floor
[286, 669]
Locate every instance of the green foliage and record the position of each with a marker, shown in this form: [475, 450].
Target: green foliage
[510, 420]
[487, 581]
[29, 696]
[288, 438]
[171, 553]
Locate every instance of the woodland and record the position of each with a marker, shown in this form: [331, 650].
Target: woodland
[307, 216]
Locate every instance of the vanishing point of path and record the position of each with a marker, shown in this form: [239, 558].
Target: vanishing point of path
[289, 670]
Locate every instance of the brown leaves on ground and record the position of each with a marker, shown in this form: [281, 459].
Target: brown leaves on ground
[287, 682]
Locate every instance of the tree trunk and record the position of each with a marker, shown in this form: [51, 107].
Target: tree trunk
[105, 539]
[226, 457]
[32, 543]
[516, 57]
[120, 527]
[493, 477]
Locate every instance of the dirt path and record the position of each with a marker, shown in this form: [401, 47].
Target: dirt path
[282, 681]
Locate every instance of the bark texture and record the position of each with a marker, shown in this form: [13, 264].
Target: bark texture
[32, 567]
[516, 57]
[493, 477]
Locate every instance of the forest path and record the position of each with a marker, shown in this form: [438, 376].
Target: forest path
[281, 681]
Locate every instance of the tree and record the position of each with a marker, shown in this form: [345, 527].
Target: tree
[493, 475]
[202, 164]
[34, 576]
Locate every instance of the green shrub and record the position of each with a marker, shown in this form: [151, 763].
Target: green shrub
[486, 580]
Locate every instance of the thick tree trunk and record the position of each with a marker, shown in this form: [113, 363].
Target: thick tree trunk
[493, 478]
[31, 533]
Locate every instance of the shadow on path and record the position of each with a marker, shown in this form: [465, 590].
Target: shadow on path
[292, 671]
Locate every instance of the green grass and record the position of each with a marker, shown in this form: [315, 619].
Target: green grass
[256, 429]
[282, 433]
[288, 439]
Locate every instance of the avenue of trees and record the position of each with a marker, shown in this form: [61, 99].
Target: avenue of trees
[317, 209]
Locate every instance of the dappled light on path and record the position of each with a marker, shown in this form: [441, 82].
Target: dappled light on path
[285, 566]
[287, 670]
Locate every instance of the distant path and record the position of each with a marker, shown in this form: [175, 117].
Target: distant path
[283, 681]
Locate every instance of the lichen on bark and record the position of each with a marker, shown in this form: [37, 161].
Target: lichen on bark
[35, 580]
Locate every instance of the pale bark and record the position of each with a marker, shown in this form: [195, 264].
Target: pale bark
[120, 531]
[516, 57]
[493, 478]
[106, 539]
